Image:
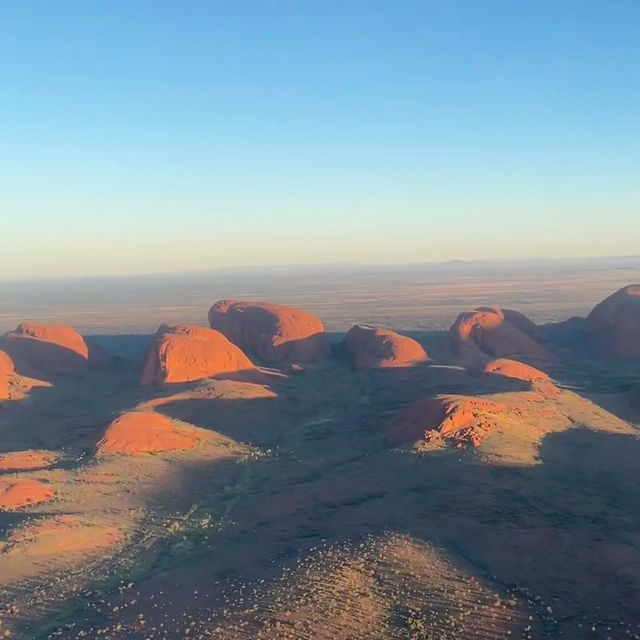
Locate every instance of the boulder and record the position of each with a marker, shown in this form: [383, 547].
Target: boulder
[184, 353]
[377, 348]
[272, 332]
[138, 432]
[613, 325]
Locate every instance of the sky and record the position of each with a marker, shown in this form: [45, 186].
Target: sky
[153, 136]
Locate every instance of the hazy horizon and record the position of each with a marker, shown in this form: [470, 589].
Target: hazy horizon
[348, 267]
[404, 297]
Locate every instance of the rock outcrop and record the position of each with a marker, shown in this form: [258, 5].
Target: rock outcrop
[489, 332]
[517, 319]
[184, 353]
[29, 460]
[377, 348]
[6, 364]
[6, 372]
[614, 325]
[36, 348]
[272, 332]
[138, 432]
[514, 369]
[452, 419]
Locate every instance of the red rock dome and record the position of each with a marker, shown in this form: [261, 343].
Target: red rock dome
[489, 332]
[138, 432]
[20, 492]
[46, 348]
[273, 332]
[26, 460]
[614, 324]
[376, 348]
[183, 353]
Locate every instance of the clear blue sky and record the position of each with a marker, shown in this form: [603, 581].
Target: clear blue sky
[151, 136]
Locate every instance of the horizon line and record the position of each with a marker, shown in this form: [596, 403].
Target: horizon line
[321, 266]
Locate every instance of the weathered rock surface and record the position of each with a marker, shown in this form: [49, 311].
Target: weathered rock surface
[56, 349]
[20, 492]
[6, 372]
[514, 369]
[274, 333]
[27, 460]
[184, 353]
[489, 332]
[377, 348]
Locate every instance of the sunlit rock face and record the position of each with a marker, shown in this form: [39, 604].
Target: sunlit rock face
[140, 432]
[274, 333]
[184, 353]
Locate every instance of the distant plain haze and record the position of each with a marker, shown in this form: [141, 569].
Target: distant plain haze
[158, 136]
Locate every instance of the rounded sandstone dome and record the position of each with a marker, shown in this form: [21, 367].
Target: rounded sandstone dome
[21, 492]
[614, 324]
[272, 332]
[374, 348]
[514, 369]
[185, 353]
[46, 348]
[517, 319]
[138, 432]
[489, 332]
